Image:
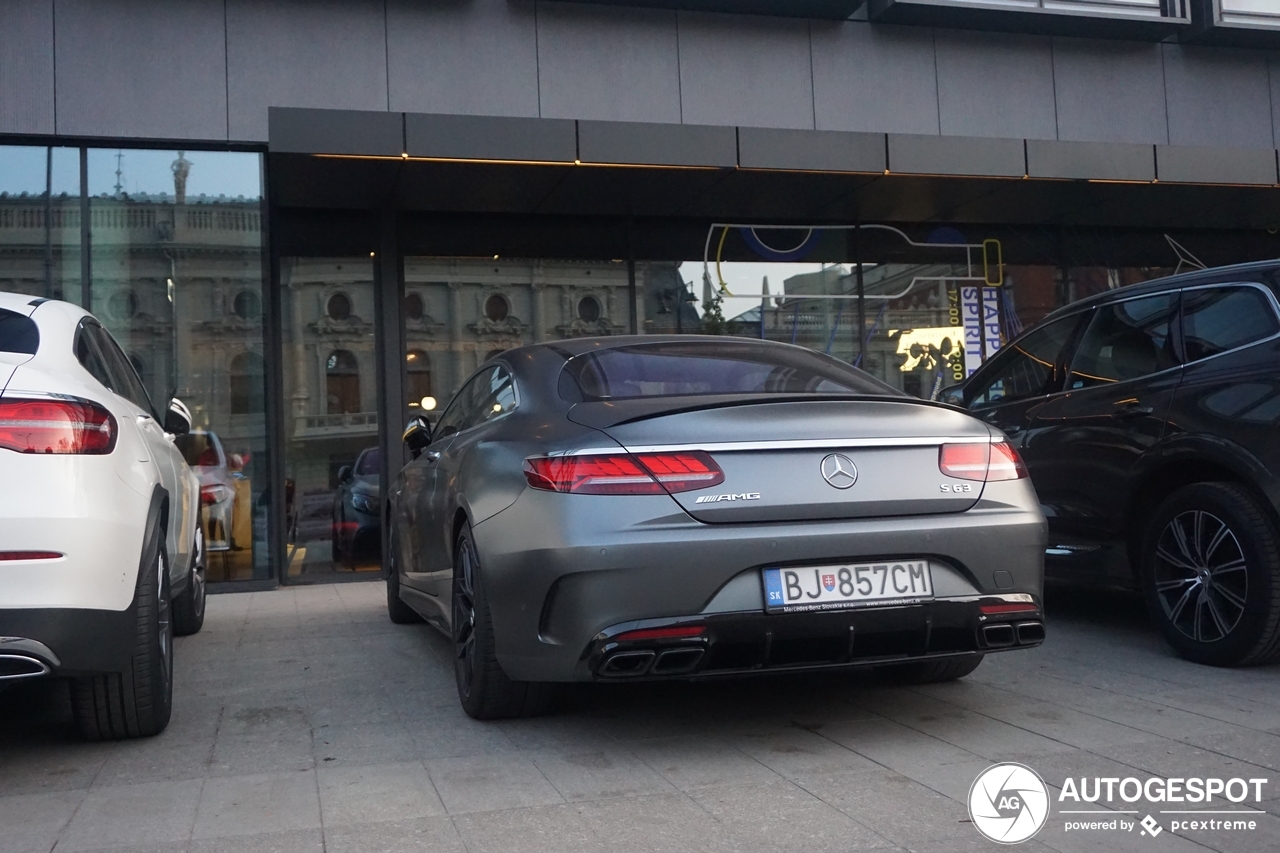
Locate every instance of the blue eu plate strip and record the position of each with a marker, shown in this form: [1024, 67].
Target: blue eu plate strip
[773, 588]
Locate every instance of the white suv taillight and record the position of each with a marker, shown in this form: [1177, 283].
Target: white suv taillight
[982, 462]
[624, 473]
[56, 426]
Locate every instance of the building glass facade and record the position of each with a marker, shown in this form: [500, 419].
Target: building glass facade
[167, 249]
[170, 249]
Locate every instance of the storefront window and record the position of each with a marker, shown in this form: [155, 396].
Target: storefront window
[40, 221]
[332, 469]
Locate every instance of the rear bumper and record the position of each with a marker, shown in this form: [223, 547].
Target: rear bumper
[557, 581]
[752, 642]
[66, 641]
[77, 506]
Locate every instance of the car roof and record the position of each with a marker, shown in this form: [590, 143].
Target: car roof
[1211, 275]
[20, 303]
[579, 346]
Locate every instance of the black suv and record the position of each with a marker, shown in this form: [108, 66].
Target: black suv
[1149, 418]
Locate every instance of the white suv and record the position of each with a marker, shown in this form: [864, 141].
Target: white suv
[101, 556]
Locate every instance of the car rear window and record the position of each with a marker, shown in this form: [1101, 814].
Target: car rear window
[1218, 319]
[695, 368]
[18, 333]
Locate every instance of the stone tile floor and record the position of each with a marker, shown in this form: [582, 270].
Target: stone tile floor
[305, 721]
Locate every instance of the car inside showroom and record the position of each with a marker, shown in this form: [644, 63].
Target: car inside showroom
[514, 354]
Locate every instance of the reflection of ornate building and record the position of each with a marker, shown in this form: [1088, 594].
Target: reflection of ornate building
[179, 285]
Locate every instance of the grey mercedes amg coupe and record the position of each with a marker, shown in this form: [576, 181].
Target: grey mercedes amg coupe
[637, 508]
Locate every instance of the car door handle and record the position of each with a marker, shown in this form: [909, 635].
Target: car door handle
[432, 455]
[1132, 410]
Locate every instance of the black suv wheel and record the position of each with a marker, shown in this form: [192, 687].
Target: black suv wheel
[1211, 575]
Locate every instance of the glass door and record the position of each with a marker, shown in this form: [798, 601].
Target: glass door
[332, 461]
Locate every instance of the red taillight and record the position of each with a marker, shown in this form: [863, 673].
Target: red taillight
[214, 494]
[56, 426]
[29, 555]
[208, 458]
[673, 633]
[1013, 607]
[981, 461]
[1006, 464]
[624, 473]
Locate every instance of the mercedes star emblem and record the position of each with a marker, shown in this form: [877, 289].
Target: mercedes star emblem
[839, 471]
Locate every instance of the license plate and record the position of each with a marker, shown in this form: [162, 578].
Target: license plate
[843, 586]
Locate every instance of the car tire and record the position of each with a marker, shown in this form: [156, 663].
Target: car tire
[930, 672]
[188, 608]
[400, 613]
[484, 689]
[1215, 602]
[336, 537]
[137, 702]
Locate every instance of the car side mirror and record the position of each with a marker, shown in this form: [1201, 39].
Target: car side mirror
[417, 435]
[177, 418]
[344, 474]
[953, 395]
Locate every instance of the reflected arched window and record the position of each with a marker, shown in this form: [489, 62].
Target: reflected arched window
[248, 393]
[413, 306]
[342, 382]
[589, 309]
[496, 308]
[339, 306]
[418, 369]
[247, 305]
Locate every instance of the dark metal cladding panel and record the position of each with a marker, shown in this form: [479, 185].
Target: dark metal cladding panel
[304, 131]
[814, 150]
[657, 144]
[1090, 160]
[956, 155]
[1197, 165]
[830, 9]
[490, 138]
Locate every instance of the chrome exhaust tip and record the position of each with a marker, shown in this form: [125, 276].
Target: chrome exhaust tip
[1030, 633]
[626, 664]
[13, 667]
[677, 661]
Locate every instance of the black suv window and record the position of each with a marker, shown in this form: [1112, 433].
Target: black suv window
[1217, 319]
[18, 333]
[1026, 368]
[1125, 340]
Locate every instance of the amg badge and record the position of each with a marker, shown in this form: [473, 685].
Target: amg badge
[712, 499]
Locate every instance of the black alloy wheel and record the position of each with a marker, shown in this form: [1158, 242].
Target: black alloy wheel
[484, 689]
[1211, 575]
[1201, 576]
[464, 617]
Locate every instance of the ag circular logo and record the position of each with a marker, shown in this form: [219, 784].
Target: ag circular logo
[1008, 803]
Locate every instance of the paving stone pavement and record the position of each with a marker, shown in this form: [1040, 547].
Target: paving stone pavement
[305, 721]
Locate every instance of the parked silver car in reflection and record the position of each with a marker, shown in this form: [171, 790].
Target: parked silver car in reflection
[685, 507]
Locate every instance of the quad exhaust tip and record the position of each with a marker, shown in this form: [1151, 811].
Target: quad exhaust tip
[13, 667]
[627, 664]
[1002, 635]
[998, 636]
[1030, 632]
[647, 662]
